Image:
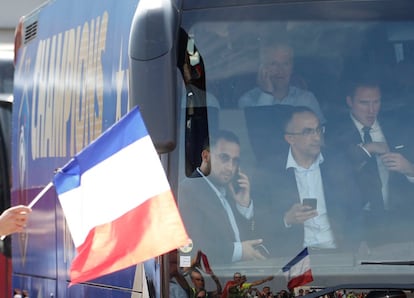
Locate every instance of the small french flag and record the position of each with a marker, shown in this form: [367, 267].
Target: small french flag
[298, 271]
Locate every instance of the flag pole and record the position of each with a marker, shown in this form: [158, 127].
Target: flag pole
[40, 195]
[36, 199]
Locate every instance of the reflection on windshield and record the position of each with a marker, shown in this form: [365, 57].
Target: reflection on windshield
[311, 146]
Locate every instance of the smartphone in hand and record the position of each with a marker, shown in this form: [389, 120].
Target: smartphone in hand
[235, 182]
[312, 202]
[263, 250]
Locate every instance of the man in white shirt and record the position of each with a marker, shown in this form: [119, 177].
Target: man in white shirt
[274, 82]
[307, 173]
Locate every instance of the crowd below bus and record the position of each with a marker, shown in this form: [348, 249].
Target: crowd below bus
[189, 282]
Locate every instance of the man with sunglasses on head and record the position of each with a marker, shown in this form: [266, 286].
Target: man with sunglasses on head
[215, 203]
[307, 198]
[199, 286]
[239, 287]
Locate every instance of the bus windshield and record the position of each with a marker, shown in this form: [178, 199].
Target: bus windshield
[296, 133]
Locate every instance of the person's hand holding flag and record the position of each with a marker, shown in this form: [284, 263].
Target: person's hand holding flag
[13, 220]
[121, 174]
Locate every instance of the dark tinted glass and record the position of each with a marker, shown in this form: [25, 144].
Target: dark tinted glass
[251, 70]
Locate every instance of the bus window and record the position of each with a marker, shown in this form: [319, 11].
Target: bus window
[286, 83]
[201, 107]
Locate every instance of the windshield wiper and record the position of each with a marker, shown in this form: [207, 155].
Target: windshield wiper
[362, 286]
[406, 263]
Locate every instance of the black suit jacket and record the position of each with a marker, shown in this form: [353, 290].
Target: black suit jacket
[344, 136]
[207, 222]
[277, 192]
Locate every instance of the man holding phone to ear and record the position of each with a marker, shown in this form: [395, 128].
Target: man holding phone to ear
[310, 196]
[215, 204]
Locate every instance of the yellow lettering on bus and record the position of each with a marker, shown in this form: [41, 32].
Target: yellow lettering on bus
[68, 90]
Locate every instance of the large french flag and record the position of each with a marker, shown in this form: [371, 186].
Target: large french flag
[117, 202]
[298, 271]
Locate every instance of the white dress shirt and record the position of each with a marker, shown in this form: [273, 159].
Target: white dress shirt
[295, 97]
[318, 232]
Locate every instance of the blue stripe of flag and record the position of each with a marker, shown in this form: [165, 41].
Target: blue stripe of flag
[297, 259]
[126, 131]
